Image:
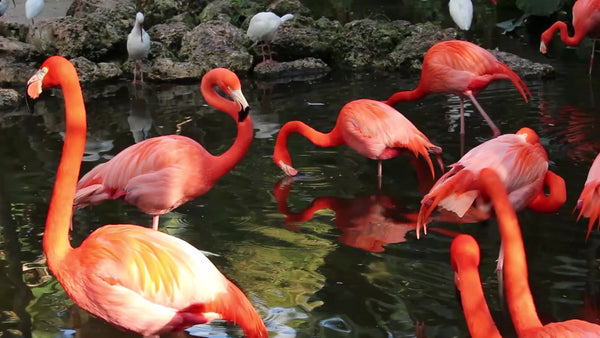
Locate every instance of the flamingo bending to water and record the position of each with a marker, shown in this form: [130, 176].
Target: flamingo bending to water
[589, 200]
[159, 174]
[586, 22]
[464, 69]
[465, 258]
[138, 46]
[373, 129]
[130, 276]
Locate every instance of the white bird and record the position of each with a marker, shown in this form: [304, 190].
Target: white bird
[263, 27]
[4, 6]
[33, 8]
[138, 46]
[461, 12]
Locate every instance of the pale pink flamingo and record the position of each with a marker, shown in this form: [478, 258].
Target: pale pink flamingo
[159, 174]
[589, 200]
[464, 253]
[586, 22]
[133, 277]
[464, 69]
[373, 129]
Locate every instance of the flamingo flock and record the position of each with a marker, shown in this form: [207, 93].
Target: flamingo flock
[151, 283]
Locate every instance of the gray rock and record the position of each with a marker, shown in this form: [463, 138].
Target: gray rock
[282, 7]
[17, 61]
[526, 69]
[307, 68]
[89, 71]
[9, 98]
[169, 34]
[216, 44]
[235, 12]
[165, 69]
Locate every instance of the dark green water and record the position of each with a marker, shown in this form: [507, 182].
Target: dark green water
[356, 271]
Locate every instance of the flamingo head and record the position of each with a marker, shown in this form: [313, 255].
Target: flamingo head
[529, 135]
[464, 249]
[238, 96]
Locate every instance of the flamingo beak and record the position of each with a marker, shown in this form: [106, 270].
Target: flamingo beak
[543, 48]
[239, 97]
[34, 87]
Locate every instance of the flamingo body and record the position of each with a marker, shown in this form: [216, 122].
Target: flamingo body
[33, 8]
[373, 129]
[263, 28]
[586, 22]
[461, 12]
[589, 199]
[161, 173]
[138, 46]
[461, 68]
[130, 276]
[465, 257]
[521, 163]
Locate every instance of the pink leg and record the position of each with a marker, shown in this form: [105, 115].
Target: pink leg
[592, 57]
[155, 222]
[489, 121]
[269, 47]
[379, 174]
[262, 51]
[134, 71]
[141, 71]
[462, 117]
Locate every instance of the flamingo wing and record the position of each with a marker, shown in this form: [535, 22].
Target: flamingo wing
[589, 199]
[121, 270]
[148, 174]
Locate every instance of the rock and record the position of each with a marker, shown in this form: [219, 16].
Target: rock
[234, 12]
[307, 68]
[9, 98]
[169, 34]
[89, 71]
[160, 11]
[216, 44]
[282, 7]
[526, 69]
[17, 61]
[165, 69]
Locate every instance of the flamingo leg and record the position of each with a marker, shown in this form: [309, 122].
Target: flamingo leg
[262, 50]
[489, 121]
[379, 174]
[592, 56]
[155, 222]
[141, 71]
[134, 71]
[269, 48]
[462, 117]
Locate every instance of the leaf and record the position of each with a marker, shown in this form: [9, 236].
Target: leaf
[539, 7]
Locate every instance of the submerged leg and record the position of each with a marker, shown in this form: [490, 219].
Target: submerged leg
[489, 121]
[592, 57]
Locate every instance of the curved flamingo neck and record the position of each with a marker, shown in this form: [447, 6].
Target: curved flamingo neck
[564, 34]
[519, 298]
[207, 88]
[56, 234]
[555, 199]
[223, 163]
[331, 139]
[408, 95]
[477, 314]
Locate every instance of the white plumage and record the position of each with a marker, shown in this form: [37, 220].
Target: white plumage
[461, 12]
[33, 8]
[4, 6]
[138, 46]
[263, 28]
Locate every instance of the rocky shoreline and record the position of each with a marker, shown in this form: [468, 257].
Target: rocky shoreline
[191, 37]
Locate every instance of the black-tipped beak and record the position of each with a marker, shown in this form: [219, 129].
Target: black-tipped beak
[30, 103]
[243, 114]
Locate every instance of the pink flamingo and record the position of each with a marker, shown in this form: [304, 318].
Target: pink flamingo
[159, 174]
[464, 253]
[373, 129]
[133, 277]
[464, 69]
[586, 21]
[589, 200]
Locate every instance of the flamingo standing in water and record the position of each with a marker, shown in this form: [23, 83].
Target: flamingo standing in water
[461, 68]
[373, 129]
[263, 28]
[586, 22]
[133, 277]
[161, 173]
[464, 253]
[589, 200]
[521, 162]
[138, 46]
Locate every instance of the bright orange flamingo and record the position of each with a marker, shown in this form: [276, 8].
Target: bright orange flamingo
[464, 69]
[159, 174]
[586, 22]
[133, 277]
[521, 162]
[589, 200]
[375, 130]
[522, 309]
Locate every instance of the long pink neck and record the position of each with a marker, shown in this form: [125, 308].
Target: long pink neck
[520, 301]
[331, 139]
[56, 235]
[223, 163]
[408, 95]
[564, 34]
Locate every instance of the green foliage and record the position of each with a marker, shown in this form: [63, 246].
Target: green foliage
[539, 7]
